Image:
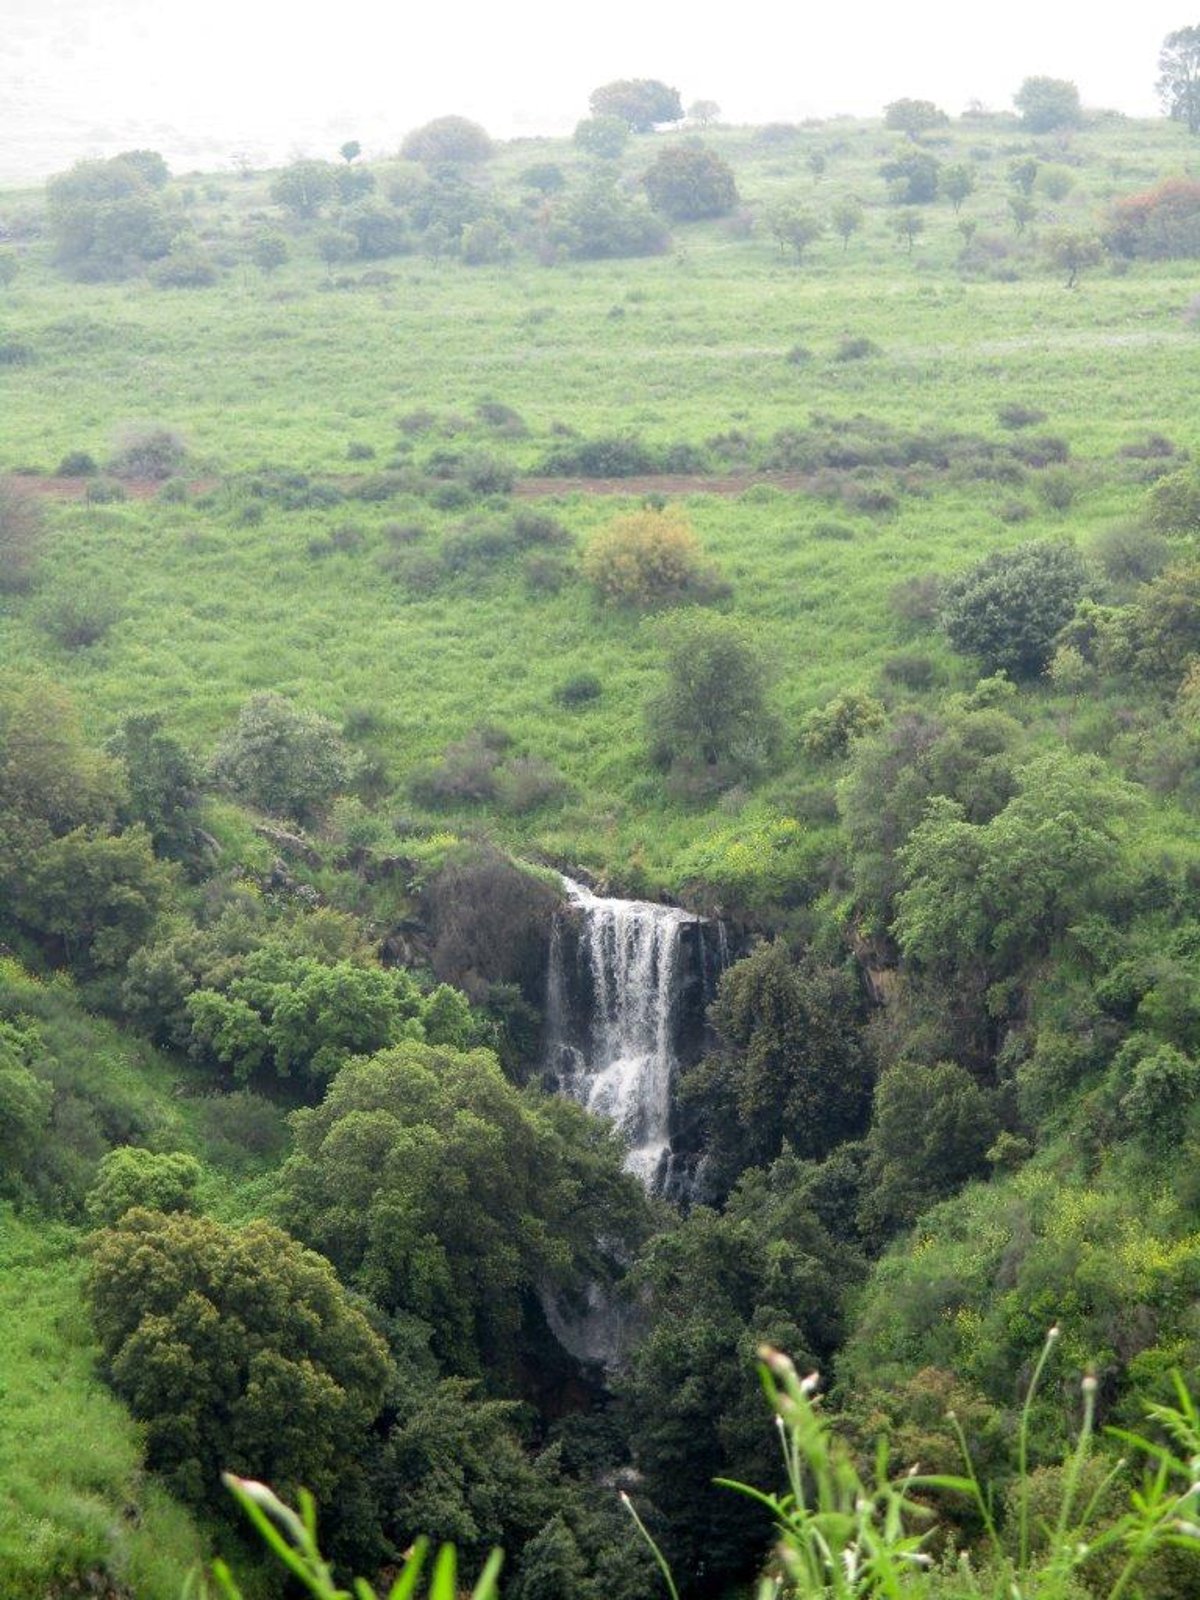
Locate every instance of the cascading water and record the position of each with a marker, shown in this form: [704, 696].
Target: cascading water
[614, 1013]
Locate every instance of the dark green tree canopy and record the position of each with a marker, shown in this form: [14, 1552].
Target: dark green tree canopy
[304, 188]
[1048, 103]
[1008, 609]
[107, 218]
[1179, 76]
[640, 103]
[447, 1194]
[285, 760]
[687, 182]
[605, 137]
[238, 1350]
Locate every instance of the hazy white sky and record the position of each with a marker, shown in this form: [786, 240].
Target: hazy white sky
[198, 80]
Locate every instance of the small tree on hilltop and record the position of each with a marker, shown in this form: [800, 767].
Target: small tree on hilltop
[1179, 77]
[913, 117]
[703, 112]
[912, 177]
[795, 227]
[1008, 608]
[847, 218]
[303, 188]
[957, 182]
[350, 151]
[1072, 251]
[605, 137]
[688, 182]
[1048, 103]
[640, 103]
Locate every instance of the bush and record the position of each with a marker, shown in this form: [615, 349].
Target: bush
[284, 760]
[610, 456]
[78, 616]
[148, 452]
[579, 690]
[16, 353]
[447, 139]
[604, 137]
[855, 348]
[687, 182]
[1015, 415]
[131, 1177]
[1008, 609]
[20, 537]
[831, 729]
[648, 559]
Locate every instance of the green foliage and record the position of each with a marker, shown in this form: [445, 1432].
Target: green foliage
[710, 722]
[599, 222]
[129, 1177]
[831, 729]
[984, 898]
[447, 139]
[912, 177]
[234, 1345]
[1166, 622]
[304, 188]
[796, 227]
[106, 219]
[640, 103]
[164, 787]
[1179, 76]
[931, 1131]
[913, 117]
[789, 1069]
[1008, 609]
[605, 137]
[444, 1193]
[688, 181]
[284, 760]
[1048, 103]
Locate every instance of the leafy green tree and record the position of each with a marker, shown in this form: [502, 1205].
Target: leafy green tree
[50, 781]
[1166, 621]
[847, 217]
[350, 151]
[703, 112]
[640, 103]
[601, 223]
[1072, 251]
[107, 220]
[149, 165]
[1048, 103]
[1008, 608]
[687, 182]
[284, 760]
[957, 182]
[130, 1176]
[1179, 77]
[831, 729]
[1022, 174]
[164, 786]
[912, 177]
[930, 1133]
[447, 1195]
[789, 1067]
[908, 225]
[605, 137]
[981, 900]
[237, 1350]
[269, 252]
[452, 139]
[552, 1565]
[795, 227]
[93, 897]
[304, 188]
[710, 719]
[913, 117]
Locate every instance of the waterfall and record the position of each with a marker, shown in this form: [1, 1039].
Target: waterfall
[614, 1006]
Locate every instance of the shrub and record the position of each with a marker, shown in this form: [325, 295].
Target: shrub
[447, 139]
[687, 182]
[610, 456]
[1015, 415]
[1009, 607]
[855, 348]
[527, 783]
[465, 774]
[830, 730]
[1158, 223]
[579, 690]
[1172, 505]
[604, 137]
[148, 452]
[131, 1177]
[917, 600]
[647, 559]
[76, 617]
[282, 759]
[76, 464]
[186, 267]
[910, 670]
[20, 537]
[15, 353]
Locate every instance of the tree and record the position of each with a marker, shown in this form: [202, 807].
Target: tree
[913, 117]
[703, 112]
[1072, 251]
[448, 139]
[237, 1349]
[601, 223]
[687, 182]
[129, 1177]
[908, 225]
[164, 786]
[107, 219]
[789, 1066]
[269, 251]
[1022, 174]
[795, 227]
[847, 218]
[604, 137]
[304, 188]
[1179, 77]
[451, 1197]
[957, 182]
[1022, 210]
[1008, 608]
[350, 151]
[912, 177]
[640, 103]
[284, 760]
[1048, 103]
[710, 721]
